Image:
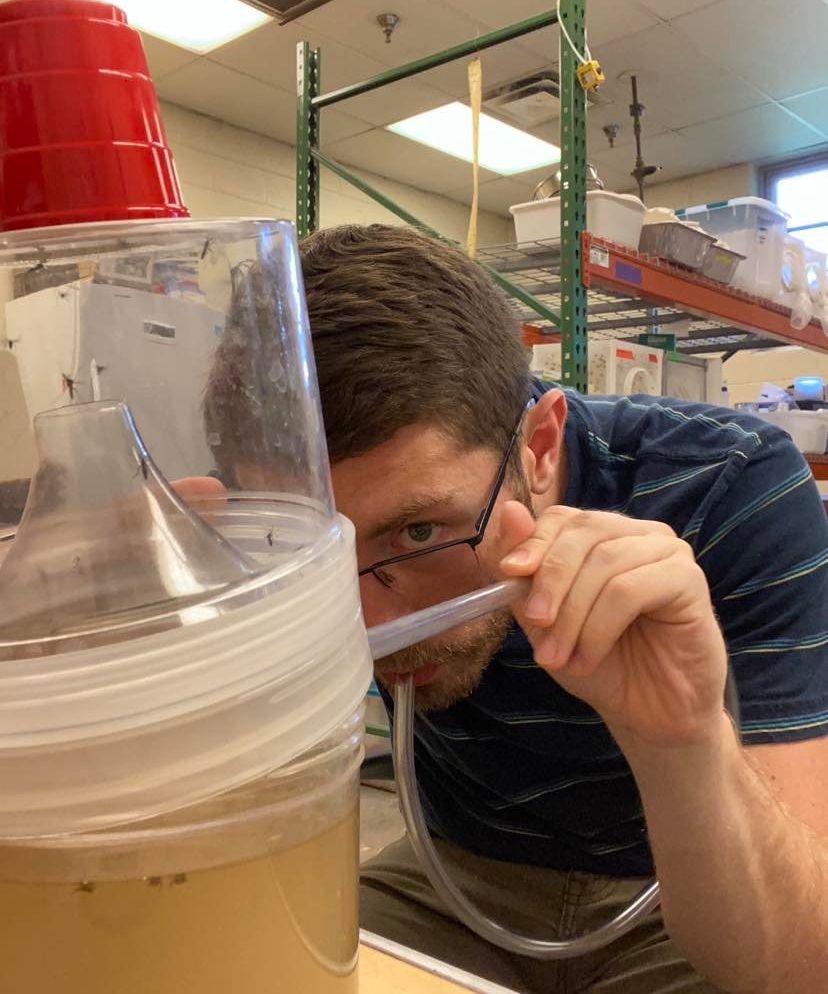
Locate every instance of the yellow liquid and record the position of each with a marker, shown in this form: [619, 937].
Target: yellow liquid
[280, 924]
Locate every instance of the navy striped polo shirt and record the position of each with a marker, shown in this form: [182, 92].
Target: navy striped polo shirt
[523, 771]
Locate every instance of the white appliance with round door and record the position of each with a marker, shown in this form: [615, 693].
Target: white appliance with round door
[614, 367]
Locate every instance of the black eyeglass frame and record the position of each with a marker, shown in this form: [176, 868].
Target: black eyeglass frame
[480, 527]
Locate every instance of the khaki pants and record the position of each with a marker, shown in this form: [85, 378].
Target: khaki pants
[398, 902]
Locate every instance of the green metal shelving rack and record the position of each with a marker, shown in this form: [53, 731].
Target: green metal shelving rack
[571, 319]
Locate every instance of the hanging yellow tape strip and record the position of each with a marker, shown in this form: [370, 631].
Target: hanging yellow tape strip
[475, 94]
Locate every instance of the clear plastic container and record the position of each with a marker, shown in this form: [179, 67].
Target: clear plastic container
[157, 652]
[200, 327]
[253, 892]
[182, 652]
[795, 282]
[756, 229]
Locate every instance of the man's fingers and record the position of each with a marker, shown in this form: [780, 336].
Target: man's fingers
[524, 558]
[605, 561]
[516, 526]
[642, 592]
[569, 542]
[198, 486]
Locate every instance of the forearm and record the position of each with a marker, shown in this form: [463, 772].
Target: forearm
[744, 884]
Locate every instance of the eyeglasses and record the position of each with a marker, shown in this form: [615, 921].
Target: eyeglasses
[449, 560]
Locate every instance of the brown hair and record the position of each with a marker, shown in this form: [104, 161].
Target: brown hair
[406, 330]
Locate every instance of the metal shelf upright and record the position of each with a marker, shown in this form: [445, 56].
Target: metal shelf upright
[571, 317]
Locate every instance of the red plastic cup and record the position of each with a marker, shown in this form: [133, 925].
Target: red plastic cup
[81, 137]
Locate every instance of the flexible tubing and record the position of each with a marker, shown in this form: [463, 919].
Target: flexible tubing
[463, 908]
[391, 636]
[398, 634]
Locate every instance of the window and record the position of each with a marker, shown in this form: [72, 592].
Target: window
[800, 188]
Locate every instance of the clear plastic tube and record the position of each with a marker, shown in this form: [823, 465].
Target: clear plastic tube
[463, 908]
[402, 632]
[411, 628]
[394, 635]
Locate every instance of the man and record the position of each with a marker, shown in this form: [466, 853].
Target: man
[564, 757]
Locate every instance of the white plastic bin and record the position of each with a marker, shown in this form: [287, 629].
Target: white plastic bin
[808, 429]
[754, 227]
[615, 216]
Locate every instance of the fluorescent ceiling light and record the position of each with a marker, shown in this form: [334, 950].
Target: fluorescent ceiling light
[503, 149]
[199, 25]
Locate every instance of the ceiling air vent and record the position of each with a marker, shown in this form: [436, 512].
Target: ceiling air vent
[530, 100]
[286, 10]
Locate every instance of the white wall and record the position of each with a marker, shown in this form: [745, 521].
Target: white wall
[229, 172]
[704, 188]
[746, 371]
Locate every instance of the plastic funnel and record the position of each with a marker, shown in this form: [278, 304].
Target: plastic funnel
[81, 137]
[104, 542]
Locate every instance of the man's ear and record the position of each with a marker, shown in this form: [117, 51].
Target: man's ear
[543, 439]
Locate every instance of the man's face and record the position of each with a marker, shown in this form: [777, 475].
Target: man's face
[414, 491]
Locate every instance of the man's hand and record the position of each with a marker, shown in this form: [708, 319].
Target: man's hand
[620, 615]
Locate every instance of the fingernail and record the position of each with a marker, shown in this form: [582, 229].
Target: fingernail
[538, 607]
[517, 558]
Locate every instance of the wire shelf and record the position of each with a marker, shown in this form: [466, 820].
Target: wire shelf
[613, 315]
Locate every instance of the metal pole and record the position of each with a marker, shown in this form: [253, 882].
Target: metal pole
[636, 110]
[307, 138]
[511, 288]
[573, 201]
[508, 33]
[642, 170]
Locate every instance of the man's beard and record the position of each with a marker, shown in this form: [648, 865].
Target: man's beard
[461, 660]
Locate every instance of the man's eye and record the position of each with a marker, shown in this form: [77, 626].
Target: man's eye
[420, 535]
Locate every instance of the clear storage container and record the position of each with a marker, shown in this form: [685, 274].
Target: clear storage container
[253, 892]
[756, 229]
[182, 653]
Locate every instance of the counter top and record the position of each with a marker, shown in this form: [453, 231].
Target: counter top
[386, 967]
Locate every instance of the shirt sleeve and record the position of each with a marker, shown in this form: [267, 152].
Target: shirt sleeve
[763, 545]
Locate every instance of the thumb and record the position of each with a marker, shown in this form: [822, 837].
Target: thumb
[516, 525]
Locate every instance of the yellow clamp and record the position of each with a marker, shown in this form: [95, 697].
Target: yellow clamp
[589, 75]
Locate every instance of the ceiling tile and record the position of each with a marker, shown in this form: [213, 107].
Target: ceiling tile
[618, 113]
[781, 52]
[752, 134]
[666, 10]
[238, 99]
[425, 26]
[391, 155]
[611, 20]
[811, 107]
[269, 54]
[615, 112]
[606, 20]
[164, 58]
[678, 85]
[499, 65]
